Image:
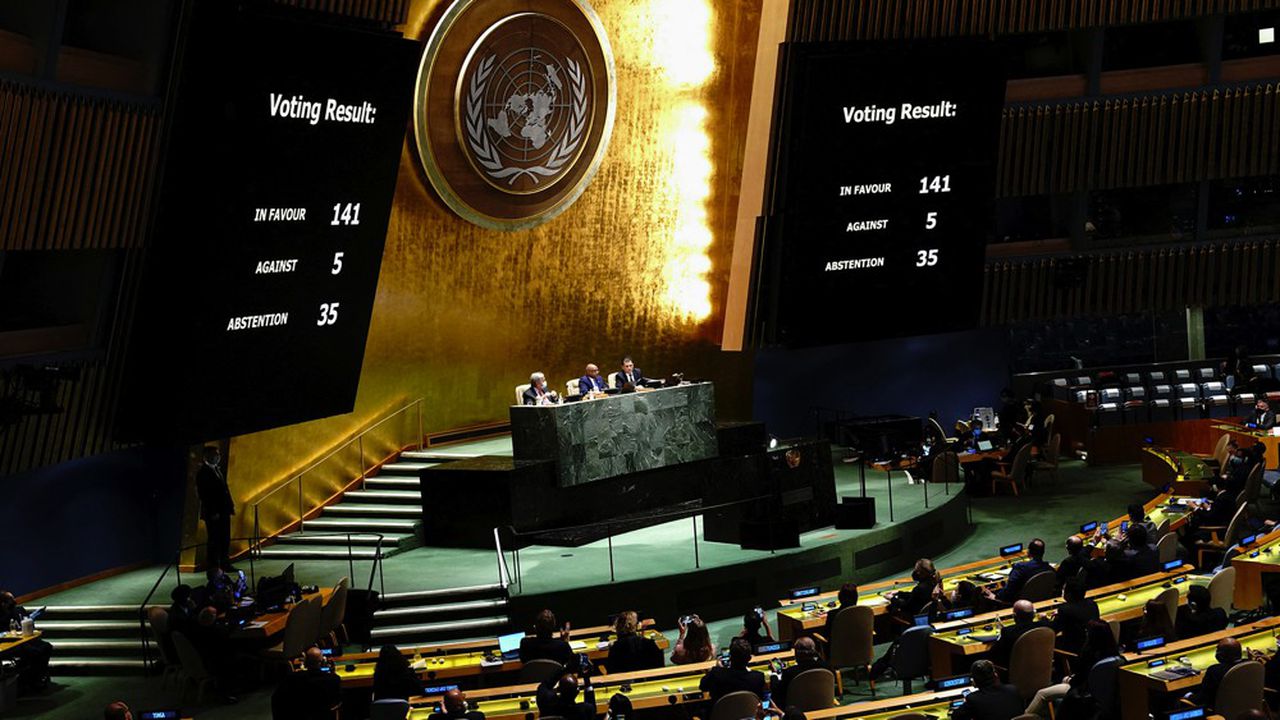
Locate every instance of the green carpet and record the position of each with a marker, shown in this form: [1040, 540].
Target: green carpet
[1050, 511]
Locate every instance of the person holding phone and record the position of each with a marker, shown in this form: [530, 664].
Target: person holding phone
[694, 644]
[722, 680]
[755, 628]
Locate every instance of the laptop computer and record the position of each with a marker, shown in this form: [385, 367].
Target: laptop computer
[509, 645]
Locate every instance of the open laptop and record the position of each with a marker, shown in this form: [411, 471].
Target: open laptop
[509, 645]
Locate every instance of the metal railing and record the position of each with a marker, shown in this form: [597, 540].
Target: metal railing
[375, 570]
[299, 478]
[504, 577]
[518, 540]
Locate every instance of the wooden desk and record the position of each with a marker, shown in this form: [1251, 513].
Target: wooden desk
[1246, 437]
[468, 660]
[1120, 602]
[794, 621]
[268, 624]
[10, 642]
[1165, 506]
[659, 687]
[1249, 570]
[1137, 684]
[1183, 472]
[929, 704]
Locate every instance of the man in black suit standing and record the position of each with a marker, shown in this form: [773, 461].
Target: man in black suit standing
[629, 375]
[216, 508]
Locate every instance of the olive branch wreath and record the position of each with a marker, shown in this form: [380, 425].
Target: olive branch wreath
[487, 154]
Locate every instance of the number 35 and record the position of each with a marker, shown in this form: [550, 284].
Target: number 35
[926, 258]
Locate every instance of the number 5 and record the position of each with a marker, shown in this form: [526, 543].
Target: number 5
[337, 263]
[931, 221]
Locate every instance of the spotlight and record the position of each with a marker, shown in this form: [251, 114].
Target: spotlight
[773, 442]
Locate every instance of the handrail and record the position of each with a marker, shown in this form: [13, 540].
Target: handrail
[357, 439]
[176, 565]
[504, 577]
[344, 446]
[692, 513]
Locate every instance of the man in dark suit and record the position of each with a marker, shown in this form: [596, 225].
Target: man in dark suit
[806, 652]
[1074, 562]
[992, 700]
[1227, 655]
[537, 392]
[32, 657]
[1011, 413]
[629, 375]
[544, 644]
[216, 508]
[720, 681]
[1024, 621]
[310, 694]
[1072, 615]
[1021, 572]
[1109, 569]
[1140, 555]
[1138, 516]
[591, 382]
[557, 696]
[1263, 417]
[455, 708]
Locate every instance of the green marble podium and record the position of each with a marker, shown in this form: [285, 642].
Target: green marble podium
[618, 434]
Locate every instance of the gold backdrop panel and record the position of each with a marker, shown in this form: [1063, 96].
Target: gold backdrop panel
[639, 264]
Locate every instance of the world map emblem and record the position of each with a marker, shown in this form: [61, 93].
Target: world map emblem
[530, 91]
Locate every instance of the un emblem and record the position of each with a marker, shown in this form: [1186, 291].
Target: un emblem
[514, 107]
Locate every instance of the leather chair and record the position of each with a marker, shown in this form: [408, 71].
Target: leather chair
[520, 393]
[1031, 662]
[1222, 589]
[911, 659]
[813, 689]
[1241, 689]
[1039, 587]
[735, 706]
[535, 671]
[851, 642]
[1014, 474]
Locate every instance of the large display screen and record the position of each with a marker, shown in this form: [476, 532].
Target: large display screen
[284, 142]
[883, 189]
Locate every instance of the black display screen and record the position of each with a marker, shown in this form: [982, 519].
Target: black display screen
[884, 179]
[284, 142]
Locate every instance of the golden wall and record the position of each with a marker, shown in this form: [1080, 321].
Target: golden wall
[638, 265]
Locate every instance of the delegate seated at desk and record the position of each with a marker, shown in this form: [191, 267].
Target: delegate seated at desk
[629, 375]
[537, 393]
[1264, 418]
[591, 381]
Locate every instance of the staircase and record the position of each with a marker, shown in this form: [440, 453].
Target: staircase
[92, 639]
[390, 503]
[427, 616]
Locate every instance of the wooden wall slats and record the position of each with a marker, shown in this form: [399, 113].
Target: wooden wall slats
[1129, 281]
[892, 19]
[75, 168]
[1139, 141]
